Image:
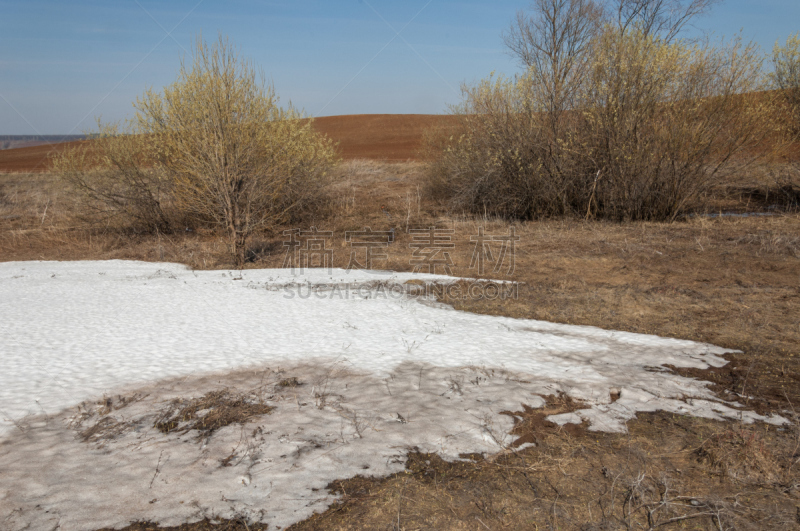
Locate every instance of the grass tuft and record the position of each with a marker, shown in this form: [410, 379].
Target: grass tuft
[210, 412]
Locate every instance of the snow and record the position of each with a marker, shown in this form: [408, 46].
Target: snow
[383, 372]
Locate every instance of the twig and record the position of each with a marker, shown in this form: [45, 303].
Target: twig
[157, 469]
[794, 415]
[591, 197]
[13, 421]
[45, 212]
[400, 503]
[684, 517]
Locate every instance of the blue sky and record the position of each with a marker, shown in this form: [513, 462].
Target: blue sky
[63, 63]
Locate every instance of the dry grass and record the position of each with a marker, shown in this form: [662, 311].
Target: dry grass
[767, 187]
[102, 426]
[650, 478]
[210, 412]
[731, 281]
[34, 201]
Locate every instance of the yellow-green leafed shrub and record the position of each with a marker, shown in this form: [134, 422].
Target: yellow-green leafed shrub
[610, 120]
[786, 78]
[663, 122]
[226, 152]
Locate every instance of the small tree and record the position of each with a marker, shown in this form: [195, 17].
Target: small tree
[215, 145]
[236, 158]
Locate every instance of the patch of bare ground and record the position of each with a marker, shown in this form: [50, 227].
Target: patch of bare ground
[667, 472]
[727, 280]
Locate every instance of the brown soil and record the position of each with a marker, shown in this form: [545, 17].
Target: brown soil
[389, 137]
[30, 159]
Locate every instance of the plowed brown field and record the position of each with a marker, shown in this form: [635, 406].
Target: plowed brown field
[389, 137]
[393, 137]
[29, 158]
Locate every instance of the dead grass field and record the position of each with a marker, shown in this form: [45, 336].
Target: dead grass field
[728, 280]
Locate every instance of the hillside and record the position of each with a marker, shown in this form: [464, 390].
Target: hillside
[21, 141]
[388, 137]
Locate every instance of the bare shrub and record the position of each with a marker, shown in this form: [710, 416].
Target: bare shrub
[786, 77]
[114, 183]
[615, 117]
[667, 120]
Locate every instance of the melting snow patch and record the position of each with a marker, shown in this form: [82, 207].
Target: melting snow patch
[355, 373]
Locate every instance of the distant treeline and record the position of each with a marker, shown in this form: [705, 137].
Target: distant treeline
[41, 138]
[18, 141]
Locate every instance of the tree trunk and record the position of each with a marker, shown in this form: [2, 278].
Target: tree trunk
[238, 244]
[239, 249]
